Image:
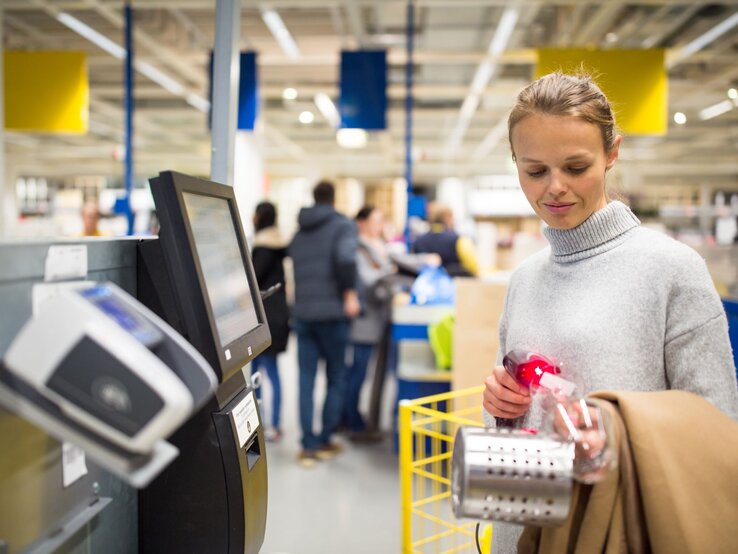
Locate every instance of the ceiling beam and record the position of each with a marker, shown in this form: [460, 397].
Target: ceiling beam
[154, 47]
[674, 24]
[356, 22]
[593, 29]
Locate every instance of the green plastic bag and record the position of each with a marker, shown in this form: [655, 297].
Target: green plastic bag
[441, 338]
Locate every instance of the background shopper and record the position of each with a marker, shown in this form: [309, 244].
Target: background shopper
[269, 253]
[324, 259]
[375, 286]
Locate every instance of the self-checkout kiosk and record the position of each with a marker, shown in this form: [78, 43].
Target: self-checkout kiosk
[198, 277]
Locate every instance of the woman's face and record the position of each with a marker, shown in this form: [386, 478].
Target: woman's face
[375, 224]
[561, 163]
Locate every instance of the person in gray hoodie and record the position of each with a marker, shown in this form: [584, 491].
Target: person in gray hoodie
[323, 254]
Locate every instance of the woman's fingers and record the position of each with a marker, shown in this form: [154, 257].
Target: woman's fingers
[503, 397]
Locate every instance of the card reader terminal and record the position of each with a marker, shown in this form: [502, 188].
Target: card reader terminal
[107, 362]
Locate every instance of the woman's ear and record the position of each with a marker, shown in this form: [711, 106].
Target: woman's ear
[612, 155]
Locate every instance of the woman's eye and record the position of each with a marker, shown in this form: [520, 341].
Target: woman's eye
[578, 170]
[536, 172]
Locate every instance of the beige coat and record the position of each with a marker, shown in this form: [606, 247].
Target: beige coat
[675, 488]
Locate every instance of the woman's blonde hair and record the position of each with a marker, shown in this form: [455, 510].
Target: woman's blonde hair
[561, 94]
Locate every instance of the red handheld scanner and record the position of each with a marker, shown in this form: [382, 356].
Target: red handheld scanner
[527, 368]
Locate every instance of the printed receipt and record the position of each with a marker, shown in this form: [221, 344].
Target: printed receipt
[246, 419]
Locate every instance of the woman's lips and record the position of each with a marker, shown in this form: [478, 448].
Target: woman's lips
[559, 208]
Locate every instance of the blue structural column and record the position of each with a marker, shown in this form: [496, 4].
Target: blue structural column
[128, 173]
[409, 115]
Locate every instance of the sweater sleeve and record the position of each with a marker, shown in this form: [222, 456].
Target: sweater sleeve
[697, 351]
[369, 273]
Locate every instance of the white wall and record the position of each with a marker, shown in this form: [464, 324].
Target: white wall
[248, 176]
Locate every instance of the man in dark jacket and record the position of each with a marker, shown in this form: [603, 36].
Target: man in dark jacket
[323, 253]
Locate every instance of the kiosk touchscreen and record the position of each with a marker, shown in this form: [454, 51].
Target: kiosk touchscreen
[206, 263]
[198, 276]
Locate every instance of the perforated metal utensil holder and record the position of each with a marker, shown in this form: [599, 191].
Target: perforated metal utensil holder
[511, 475]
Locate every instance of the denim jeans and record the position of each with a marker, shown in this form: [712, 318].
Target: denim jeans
[269, 363]
[316, 340]
[356, 376]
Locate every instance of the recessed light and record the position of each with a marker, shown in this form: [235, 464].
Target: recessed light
[306, 117]
[680, 118]
[351, 138]
[289, 93]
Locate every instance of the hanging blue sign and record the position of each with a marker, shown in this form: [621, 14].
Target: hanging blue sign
[248, 92]
[363, 100]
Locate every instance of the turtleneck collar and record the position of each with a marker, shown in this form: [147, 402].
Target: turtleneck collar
[603, 230]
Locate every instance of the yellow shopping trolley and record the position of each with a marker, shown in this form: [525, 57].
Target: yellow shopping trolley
[427, 428]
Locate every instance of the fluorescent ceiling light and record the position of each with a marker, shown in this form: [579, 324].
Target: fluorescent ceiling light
[351, 138]
[491, 140]
[198, 102]
[468, 108]
[92, 35]
[142, 67]
[703, 40]
[327, 109]
[715, 110]
[280, 33]
[165, 81]
[482, 76]
[306, 117]
[289, 93]
[504, 32]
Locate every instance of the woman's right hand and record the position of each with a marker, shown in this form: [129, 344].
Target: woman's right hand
[503, 396]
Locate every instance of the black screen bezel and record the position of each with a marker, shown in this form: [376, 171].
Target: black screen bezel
[186, 276]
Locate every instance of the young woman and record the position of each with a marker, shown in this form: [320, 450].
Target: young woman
[617, 305]
[269, 252]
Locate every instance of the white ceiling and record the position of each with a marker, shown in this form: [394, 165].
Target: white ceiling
[452, 38]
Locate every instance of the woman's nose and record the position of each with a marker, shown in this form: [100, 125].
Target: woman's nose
[557, 185]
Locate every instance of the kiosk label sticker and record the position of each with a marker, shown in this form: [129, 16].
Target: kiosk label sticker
[65, 262]
[246, 419]
[74, 466]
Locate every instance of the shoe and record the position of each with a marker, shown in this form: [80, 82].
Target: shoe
[328, 450]
[272, 435]
[307, 458]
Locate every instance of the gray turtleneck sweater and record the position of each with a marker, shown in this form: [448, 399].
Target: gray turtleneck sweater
[619, 307]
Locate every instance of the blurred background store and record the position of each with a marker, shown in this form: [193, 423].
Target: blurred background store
[453, 69]
[469, 60]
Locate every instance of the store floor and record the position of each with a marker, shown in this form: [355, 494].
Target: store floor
[350, 504]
